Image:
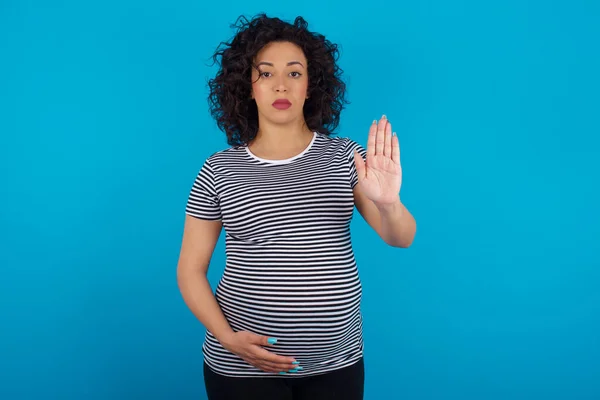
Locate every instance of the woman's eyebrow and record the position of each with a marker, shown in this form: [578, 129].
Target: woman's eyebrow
[271, 64]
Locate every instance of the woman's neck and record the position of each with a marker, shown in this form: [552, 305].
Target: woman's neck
[281, 141]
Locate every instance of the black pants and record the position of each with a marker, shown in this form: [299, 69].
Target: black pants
[346, 383]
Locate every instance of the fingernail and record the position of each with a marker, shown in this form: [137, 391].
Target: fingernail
[295, 362]
[272, 340]
[374, 121]
[282, 373]
[393, 133]
[384, 117]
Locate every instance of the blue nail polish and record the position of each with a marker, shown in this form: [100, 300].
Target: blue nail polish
[295, 362]
[272, 340]
[293, 370]
[282, 373]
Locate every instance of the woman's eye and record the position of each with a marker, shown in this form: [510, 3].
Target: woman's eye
[292, 74]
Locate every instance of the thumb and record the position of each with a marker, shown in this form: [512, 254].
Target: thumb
[264, 340]
[359, 163]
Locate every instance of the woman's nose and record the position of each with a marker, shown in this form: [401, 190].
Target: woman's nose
[280, 86]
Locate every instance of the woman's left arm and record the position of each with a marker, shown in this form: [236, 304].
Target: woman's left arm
[393, 223]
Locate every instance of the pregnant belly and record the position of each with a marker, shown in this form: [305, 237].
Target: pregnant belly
[306, 316]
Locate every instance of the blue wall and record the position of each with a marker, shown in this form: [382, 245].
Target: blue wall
[104, 124]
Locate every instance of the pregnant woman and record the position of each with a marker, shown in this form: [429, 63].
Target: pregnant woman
[285, 320]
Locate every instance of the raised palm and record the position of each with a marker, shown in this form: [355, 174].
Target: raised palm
[380, 177]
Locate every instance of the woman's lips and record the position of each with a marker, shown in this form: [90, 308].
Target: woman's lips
[282, 104]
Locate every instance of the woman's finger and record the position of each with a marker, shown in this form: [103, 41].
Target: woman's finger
[380, 136]
[387, 142]
[371, 140]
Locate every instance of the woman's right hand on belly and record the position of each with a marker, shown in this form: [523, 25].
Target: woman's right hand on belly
[248, 346]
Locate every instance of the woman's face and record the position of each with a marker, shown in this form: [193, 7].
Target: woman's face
[280, 82]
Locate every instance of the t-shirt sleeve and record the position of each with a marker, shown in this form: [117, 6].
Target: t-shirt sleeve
[203, 200]
[352, 145]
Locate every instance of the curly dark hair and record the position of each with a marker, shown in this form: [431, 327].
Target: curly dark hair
[230, 90]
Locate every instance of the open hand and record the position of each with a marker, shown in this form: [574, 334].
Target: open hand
[380, 177]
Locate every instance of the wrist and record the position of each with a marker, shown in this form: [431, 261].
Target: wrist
[225, 338]
[391, 208]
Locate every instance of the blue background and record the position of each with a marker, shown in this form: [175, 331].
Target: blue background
[104, 125]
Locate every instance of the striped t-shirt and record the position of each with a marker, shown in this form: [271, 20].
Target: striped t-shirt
[290, 271]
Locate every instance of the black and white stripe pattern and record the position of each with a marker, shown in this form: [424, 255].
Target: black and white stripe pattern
[290, 271]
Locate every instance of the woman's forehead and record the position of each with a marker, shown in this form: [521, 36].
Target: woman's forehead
[280, 53]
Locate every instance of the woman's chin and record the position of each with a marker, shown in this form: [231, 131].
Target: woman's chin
[283, 118]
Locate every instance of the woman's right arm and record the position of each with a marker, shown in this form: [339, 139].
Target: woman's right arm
[199, 240]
